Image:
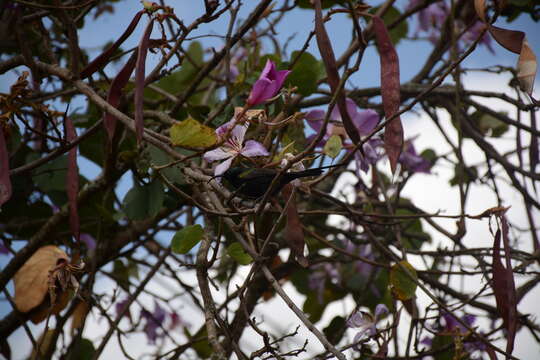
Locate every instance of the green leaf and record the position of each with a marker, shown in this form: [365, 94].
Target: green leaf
[333, 146]
[51, 176]
[403, 287]
[334, 331]
[236, 251]
[83, 350]
[202, 346]
[158, 157]
[300, 280]
[145, 201]
[441, 342]
[489, 125]
[313, 308]
[296, 136]
[184, 240]
[305, 74]
[400, 31]
[192, 134]
[464, 174]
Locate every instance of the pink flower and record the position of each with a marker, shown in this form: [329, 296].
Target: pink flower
[364, 121]
[233, 146]
[366, 322]
[268, 84]
[474, 32]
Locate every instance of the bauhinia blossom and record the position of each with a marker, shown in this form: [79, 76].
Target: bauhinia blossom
[364, 121]
[412, 161]
[233, 146]
[366, 322]
[268, 85]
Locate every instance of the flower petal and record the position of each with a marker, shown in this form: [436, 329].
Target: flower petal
[352, 109]
[380, 310]
[262, 90]
[222, 130]
[315, 119]
[280, 78]
[268, 71]
[239, 132]
[254, 148]
[365, 121]
[221, 168]
[217, 154]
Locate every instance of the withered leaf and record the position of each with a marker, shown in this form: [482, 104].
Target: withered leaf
[32, 279]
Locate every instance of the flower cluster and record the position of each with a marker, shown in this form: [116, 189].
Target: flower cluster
[232, 133]
[432, 18]
[448, 325]
[155, 323]
[364, 121]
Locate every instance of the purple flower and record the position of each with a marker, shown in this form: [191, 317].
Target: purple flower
[268, 85]
[233, 146]
[366, 322]
[3, 248]
[370, 154]
[473, 33]
[89, 241]
[238, 56]
[412, 161]
[120, 306]
[317, 279]
[154, 321]
[364, 121]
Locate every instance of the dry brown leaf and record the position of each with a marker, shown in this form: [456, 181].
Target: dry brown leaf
[43, 345]
[32, 279]
[526, 67]
[516, 42]
[255, 116]
[497, 210]
[40, 314]
[79, 314]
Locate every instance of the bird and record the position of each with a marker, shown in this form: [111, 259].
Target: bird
[252, 182]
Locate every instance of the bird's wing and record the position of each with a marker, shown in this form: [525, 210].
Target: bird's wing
[255, 173]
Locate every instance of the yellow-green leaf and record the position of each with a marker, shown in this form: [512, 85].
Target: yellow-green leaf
[333, 146]
[403, 279]
[192, 134]
[236, 251]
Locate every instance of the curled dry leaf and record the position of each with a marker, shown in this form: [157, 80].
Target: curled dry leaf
[293, 230]
[390, 91]
[516, 42]
[79, 314]
[32, 280]
[103, 58]
[329, 61]
[139, 80]
[48, 271]
[115, 93]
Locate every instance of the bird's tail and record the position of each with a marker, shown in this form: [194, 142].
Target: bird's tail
[313, 172]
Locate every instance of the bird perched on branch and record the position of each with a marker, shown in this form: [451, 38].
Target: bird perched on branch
[254, 182]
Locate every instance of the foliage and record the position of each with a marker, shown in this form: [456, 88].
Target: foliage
[126, 176]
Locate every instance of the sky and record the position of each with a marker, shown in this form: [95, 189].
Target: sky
[411, 54]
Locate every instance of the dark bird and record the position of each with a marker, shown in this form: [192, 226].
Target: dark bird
[254, 182]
